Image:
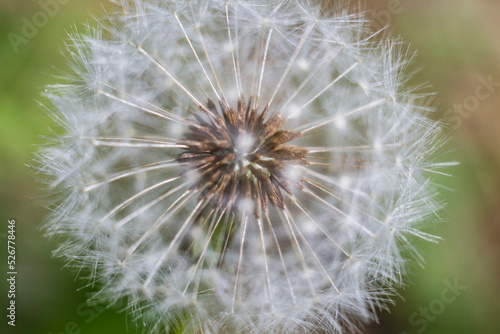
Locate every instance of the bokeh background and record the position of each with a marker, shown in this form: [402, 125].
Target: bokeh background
[458, 44]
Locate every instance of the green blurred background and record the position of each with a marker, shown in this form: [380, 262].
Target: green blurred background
[458, 42]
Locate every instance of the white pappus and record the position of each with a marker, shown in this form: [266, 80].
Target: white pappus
[240, 166]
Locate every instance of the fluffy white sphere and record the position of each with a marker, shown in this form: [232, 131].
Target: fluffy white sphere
[283, 206]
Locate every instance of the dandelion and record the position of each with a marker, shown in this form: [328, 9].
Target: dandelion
[240, 166]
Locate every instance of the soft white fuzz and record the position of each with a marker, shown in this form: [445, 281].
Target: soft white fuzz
[140, 221]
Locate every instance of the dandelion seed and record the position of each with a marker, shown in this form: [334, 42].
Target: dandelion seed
[240, 166]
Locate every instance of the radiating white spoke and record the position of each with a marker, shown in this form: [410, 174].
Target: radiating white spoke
[306, 82]
[210, 63]
[306, 243]
[332, 181]
[140, 169]
[196, 55]
[275, 10]
[309, 215]
[140, 139]
[275, 238]
[147, 110]
[345, 202]
[292, 61]
[218, 246]
[327, 87]
[255, 61]
[295, 242]
[172, 244]
[164, 70]
[237, 78]
[266, 266]
[433, 171]
[194, 74]
[174, 208]
[227, 237]
[199, 226]
[321, 149]
[343, 165]
[137, 145]
[141, 193]
[334, 208]
[315, 125]
[163, 112]
[263, 66]
[213, 226]
[137, 212]
[237, 46]
[240, 260]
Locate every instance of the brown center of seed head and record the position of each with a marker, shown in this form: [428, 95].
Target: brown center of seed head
[240, 160]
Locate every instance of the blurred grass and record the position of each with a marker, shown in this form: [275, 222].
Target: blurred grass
[47, 297]
[457, 41]
[456, 44]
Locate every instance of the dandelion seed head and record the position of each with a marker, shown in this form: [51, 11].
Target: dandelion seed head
[240, 166]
